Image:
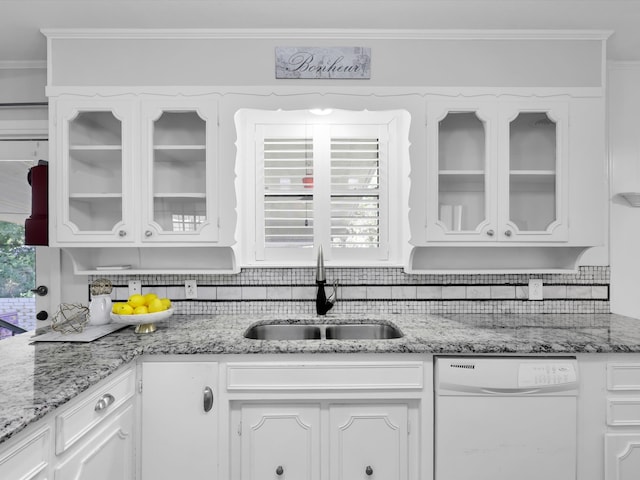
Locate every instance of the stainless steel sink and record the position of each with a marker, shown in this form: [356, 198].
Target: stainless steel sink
[362, 332]
[290, 331]
[283, 332]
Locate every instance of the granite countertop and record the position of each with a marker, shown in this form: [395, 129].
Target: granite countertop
[36, 378]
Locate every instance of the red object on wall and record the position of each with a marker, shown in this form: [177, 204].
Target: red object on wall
[36, 227]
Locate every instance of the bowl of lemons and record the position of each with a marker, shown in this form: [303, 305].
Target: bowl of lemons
[144, 311]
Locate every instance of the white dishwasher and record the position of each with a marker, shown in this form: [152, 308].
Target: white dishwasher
[505, 418]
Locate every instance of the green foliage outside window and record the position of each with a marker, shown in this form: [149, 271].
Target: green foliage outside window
[17, 262]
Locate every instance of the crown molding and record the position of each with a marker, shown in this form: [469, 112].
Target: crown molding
[364, 34]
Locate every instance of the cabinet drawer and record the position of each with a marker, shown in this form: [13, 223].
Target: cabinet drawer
[623, 411]
[27, 459]
[623, 376]
[325, 375]
[78, 420]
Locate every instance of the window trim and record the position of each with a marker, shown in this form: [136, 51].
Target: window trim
[395, 189]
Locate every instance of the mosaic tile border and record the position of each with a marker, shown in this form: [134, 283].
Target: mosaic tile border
[382, 290]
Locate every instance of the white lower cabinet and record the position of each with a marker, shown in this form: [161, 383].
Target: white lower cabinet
[179, 418]
[95, 434]
[299, 441]
[328, 420]
[622, 456]
[368, 441]
[90, 438]
[622, 440]
[108, 453]
[280, 441]
[27, 458]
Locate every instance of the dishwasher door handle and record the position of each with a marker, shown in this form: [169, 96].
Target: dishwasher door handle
[510, 391]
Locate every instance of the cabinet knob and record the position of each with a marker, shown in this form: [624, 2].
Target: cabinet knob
[208, 399]
[490, 233]
[42, 315]
[507, 233]
[148, 233]
[106, 400]
[279, 470]
[122, 233]
[368, 470]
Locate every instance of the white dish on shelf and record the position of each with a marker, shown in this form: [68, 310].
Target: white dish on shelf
[145, 321]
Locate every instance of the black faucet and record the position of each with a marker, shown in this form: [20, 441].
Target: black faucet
[323, 304]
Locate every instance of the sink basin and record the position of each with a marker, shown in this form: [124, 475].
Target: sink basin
[362, 332]
[283, 332]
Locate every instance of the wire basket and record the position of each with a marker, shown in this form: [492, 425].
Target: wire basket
[70, 318]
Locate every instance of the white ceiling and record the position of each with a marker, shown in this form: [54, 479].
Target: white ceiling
[21, 20]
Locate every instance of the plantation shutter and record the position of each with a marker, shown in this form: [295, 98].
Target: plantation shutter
[355, 192]
[287, 189]
[322, 184]
[358, 202]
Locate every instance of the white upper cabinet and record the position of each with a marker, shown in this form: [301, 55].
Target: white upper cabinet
[93, 172]
[134, 171]
[177, 171]
[496, 171]
[532, 174]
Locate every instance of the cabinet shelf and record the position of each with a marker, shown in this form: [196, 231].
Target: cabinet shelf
[180, 147]
[461, 172]
[153, 260]
[458, 259]
[94, 147]
[180, 195]
[533, 173]
[94, 196]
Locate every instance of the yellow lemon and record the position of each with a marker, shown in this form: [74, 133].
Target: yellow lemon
[125, 309]
[148, 297]
[156, 306]
[116, 306]
[166, 303]
[141, 310]
[136, 300]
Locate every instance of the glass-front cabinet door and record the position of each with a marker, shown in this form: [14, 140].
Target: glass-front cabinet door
[497, 171]
[533, 205]
[461, 188]
[93, 175]
[178, 171]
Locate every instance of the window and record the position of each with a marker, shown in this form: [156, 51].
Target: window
[321, 181]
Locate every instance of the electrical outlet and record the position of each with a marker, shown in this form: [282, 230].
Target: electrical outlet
[190, 289]
[135, 286]
[535, 289]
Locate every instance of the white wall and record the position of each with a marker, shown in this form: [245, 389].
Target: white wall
[21, 85]
[624, 158]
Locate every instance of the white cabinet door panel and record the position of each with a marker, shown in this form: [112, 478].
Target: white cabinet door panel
[280, 442]
[368, 441]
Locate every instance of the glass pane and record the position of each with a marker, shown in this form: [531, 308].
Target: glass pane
[95, 171]
[95, 128]
[180, 128]
[179, 214]
[532, 171]
[461, 179]
[95, 214]
[17, 302]
[179, 171]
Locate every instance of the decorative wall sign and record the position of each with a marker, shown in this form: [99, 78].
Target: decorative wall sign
[323, 62]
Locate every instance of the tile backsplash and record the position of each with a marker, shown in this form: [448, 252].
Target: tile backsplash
[377, 290]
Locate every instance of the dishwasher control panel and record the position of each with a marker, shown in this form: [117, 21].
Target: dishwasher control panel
[515, 375]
